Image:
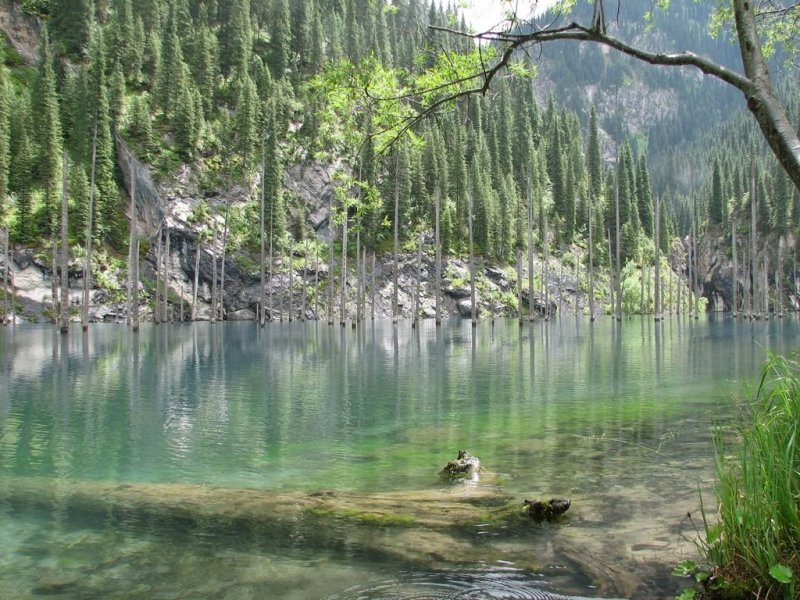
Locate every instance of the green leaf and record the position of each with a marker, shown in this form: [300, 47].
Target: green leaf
[685, 568]
[688, 594]
[781, 573]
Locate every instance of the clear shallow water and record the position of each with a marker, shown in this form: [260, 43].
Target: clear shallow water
[619, 418]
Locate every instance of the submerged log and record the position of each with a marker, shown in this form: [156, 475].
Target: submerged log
[432, 527]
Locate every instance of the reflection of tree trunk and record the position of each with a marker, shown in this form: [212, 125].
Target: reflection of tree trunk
[64, 247]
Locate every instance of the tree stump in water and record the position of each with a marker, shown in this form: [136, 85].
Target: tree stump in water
[465, 466]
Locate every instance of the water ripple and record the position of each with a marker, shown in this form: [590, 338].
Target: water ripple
[509, 584]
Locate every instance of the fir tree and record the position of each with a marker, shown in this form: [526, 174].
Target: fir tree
[281, 40]
[47, 132]
[716, 210]
[644, 198]
[246, 124]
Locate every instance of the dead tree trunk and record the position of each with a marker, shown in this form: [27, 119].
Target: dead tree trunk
[133, 271]
[735, 275]
[87, 265]
[196, 277]
[64, 246]
[473, 307]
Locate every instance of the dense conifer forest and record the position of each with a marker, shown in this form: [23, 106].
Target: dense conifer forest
[241, 90]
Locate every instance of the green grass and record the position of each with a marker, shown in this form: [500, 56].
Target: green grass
[754, 540]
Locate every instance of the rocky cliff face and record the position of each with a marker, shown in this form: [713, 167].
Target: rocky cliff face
[301, 292]
[715, 270]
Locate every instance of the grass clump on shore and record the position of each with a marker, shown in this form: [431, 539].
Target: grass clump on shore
[754, 541]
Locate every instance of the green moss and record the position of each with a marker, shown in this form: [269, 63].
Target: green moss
[367, 518]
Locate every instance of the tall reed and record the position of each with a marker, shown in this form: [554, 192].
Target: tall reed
[755, 539]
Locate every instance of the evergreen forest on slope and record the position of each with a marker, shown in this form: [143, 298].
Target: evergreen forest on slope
[240, 91]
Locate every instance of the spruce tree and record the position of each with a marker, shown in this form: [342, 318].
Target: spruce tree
[246, 124]
[716, 211]
[108, 222]
[71, 22]
[644, 198]
[281, 39]
[47, 134]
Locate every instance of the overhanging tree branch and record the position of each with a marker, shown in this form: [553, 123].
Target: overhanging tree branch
[755, 83]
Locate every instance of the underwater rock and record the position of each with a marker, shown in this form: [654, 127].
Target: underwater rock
[465, 466]
[539, 510]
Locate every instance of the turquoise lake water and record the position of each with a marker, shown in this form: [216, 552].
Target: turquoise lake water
[618, 417]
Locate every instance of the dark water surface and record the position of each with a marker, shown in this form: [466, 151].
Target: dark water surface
[618, 417]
